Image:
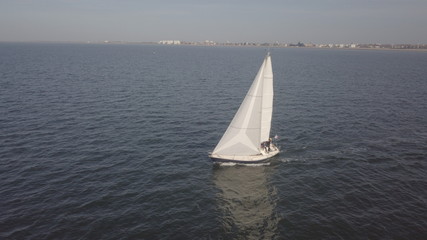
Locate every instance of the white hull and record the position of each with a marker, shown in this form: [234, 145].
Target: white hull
[247, 159]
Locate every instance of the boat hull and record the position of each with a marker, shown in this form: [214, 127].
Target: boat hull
[245, 159]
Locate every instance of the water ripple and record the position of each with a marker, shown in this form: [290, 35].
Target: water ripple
[111, 142]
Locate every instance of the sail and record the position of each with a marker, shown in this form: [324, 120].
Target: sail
[267, 100]
[251, 124]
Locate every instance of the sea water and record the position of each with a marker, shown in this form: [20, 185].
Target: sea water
[111, 142]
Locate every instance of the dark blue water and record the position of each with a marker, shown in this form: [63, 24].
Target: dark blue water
[111, 142]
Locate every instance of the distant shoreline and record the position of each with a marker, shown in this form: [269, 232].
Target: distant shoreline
[222, 45]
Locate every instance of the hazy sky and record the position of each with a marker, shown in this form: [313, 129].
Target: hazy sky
[317, 21]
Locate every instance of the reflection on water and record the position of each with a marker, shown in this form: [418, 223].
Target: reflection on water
[246, 202]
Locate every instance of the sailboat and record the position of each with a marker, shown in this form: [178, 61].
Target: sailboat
[247, 138]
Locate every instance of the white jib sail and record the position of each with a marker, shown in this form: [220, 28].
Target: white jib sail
[251, 124]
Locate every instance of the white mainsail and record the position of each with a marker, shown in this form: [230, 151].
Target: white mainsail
[252, 122]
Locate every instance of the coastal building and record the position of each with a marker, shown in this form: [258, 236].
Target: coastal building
[170, 42]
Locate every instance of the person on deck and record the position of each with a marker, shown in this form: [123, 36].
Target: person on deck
[267, 145]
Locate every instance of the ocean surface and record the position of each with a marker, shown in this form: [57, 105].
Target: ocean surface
[111, 142]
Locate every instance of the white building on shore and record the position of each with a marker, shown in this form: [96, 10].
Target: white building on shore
[170, 42]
